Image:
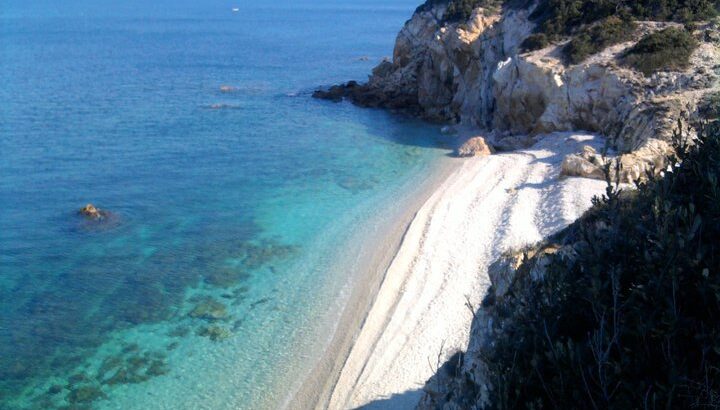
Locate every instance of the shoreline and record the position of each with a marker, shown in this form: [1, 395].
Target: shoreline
[416, 291]
[371, 261]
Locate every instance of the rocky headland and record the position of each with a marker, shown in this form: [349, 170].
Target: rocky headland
[477, 72]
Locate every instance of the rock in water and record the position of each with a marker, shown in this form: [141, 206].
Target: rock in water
[209, 309]
[474, 147]
[91, 212]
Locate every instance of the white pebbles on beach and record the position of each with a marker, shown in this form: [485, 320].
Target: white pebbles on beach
[487, 206]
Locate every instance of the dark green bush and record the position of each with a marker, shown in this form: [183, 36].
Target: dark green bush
[664, 50]
[460, 10]
[597, 37]
[559, 18]
[535, 41]
[632, 319]
[710, 106]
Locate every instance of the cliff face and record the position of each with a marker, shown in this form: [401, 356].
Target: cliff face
[474, 73]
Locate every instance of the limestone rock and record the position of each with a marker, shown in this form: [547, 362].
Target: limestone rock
[474, 147]
[586, 165]
[473, 73]
[651, 158]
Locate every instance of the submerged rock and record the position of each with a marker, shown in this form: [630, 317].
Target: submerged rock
[225, 277]
[157, 368]
[126, 376]
[209, 309]
[85, 394]
[180, 331]
[77, 378]
[109, 364]
[474, 147]
[55, 389]
[215, 333]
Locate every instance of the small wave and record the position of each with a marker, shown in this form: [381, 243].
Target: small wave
[222, 106]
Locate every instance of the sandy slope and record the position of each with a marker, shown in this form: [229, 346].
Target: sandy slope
[487, 206]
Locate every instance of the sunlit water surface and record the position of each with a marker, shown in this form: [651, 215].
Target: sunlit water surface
[212, 283]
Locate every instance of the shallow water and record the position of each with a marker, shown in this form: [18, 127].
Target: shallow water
[208, 285]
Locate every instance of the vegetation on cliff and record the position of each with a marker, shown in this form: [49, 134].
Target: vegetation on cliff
[561, 17]
[591, 25]
[557, 18]
[460, 10]
[625, 315]
[668, 49]
[595, 25]
[598, 36]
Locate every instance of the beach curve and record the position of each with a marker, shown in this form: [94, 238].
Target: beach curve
[420, 315]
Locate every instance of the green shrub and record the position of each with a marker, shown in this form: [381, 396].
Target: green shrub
[597, 37]
[668, 49]
[460, 10]
[534, 42]
[632, 318]
[710, 106]
[558, 18]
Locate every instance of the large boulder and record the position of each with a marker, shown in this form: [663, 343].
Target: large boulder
[474, 147]
[649, 159]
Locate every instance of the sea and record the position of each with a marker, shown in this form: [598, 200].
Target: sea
[228, 194]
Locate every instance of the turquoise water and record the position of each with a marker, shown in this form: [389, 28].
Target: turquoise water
[210, 284]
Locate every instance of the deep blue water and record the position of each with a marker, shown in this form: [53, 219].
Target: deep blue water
[206, 286]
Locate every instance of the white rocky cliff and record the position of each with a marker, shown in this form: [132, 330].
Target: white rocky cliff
[475, 74]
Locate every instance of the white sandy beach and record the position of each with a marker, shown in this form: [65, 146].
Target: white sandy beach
[486, 206]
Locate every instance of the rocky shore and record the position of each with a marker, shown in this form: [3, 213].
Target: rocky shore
[476, 73]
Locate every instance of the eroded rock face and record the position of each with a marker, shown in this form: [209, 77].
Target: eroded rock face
[474, 73]
[474, 147]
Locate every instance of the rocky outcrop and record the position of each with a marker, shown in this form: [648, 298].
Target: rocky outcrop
[367, 96]
[89, 211]
[474, 147]
[474, 73]
[650, 158]
[448, 390]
